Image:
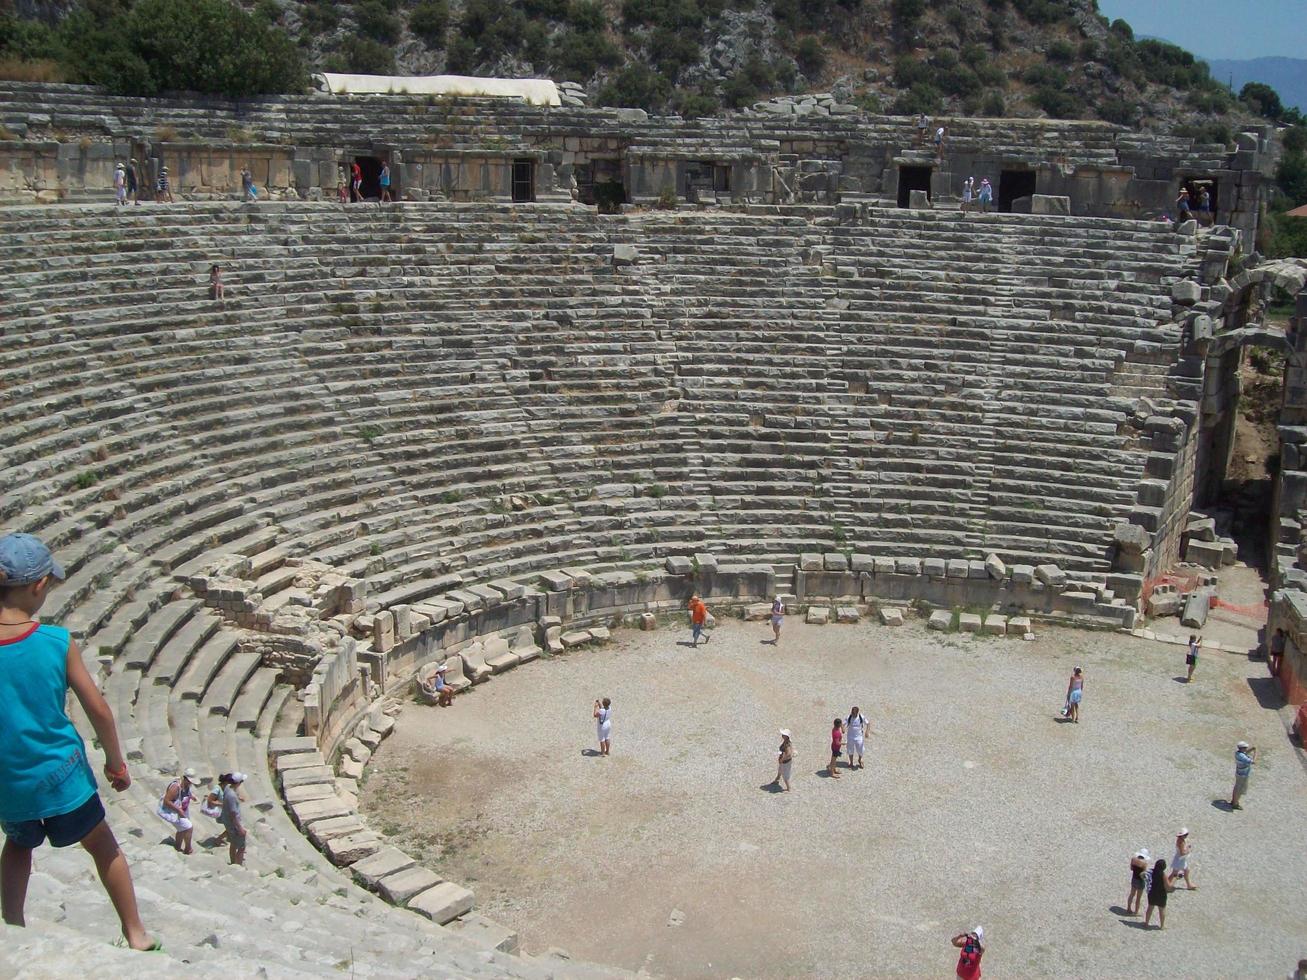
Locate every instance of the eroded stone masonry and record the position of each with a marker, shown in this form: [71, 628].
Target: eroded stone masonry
[595, 362]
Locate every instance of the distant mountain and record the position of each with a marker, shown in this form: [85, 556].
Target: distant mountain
[1288, 76]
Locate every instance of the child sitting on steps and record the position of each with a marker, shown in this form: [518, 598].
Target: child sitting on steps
[47, 789]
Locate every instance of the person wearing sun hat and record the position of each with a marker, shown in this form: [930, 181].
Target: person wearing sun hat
[1244, 758]
[231, 818]
[47, 787]
[784, 760]
[1180, 861]
[972, 947]
[174, 808]
[1138, 866]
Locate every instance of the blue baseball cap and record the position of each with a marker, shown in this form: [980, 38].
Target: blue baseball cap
[25, 559]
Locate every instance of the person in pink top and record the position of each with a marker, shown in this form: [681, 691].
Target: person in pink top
[836, 744]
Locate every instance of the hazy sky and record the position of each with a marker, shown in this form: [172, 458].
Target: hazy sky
[1219, 28]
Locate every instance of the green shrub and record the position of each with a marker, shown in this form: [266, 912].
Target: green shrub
[268, 11]
[694, 105]
[974, 54]
[1167, 64]
[586, 16]
[1207, 132]
[1283, 237]
[1262, 99]
[1123, 112]
[548, 9]
[754, 78]
[1122, 29]
[320, 16]
[364, 56]
[907, 12]
[376, 22]
[908, 71]
[496, 28]
[577, 55]
[462, 55]
[1291, 177]
[811, 56]
[1294, 139]
[1212, 101]
[994, 104]
[209, 46]
[1061, 52]
[28, 40]
[673, 51]
[429, 20]
[1057, 102]
[1088, 50]
[921, 97]
[1041, 11]
[636, 86]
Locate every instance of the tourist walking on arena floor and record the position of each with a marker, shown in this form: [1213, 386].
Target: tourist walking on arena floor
[1138, 868]
[174, 809]
[1278, 642]
[47, 789]
[1158, 888]
[1180, 861]
[972, 947]
[1075, 693]
[785, 760]
[836, 741]
[986, 195]
[698, 620]
[603, 716]
[231, 818]
[120, 185]
[777, 619]
[1244, 758]
[1191, 658]
[384, 180]
[857, 727]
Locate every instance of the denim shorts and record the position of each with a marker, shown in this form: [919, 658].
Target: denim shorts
[62, 830]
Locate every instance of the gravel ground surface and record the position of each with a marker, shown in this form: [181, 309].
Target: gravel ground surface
[978, 805]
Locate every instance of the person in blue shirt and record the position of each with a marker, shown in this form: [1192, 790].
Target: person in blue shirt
[47, 788]
[1244, 757]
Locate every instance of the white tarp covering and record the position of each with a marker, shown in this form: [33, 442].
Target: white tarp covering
[538, 91]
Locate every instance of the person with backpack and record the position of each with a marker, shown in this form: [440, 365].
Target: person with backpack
[856, 725]
[47, 789]
[1138, 868]
[972, 947]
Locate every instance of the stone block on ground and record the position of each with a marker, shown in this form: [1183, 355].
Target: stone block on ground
[399, 887]
[1196, 606]
[648, 621]
[995, 568]
[1051, 576]
[283, 746]
[1229, 551]
[757, 611]
[1023, 574]
[907, 566]
[995, 625]
[485, 933]
[575, 638]
[847, 614]
[1204, 553]
[1201, 529]
[1019, 626]
[969, 622]
[891, 615]
[940, 619]
[374, 867]
[443, 903]
[818, 615]
[352, 848]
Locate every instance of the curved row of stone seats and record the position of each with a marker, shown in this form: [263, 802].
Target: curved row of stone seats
[698, 287]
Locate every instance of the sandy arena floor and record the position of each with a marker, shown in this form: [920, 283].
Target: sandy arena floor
[978, 805]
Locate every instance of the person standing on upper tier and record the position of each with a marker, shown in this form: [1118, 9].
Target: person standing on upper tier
[986, 195]
[120, 185]
[385, 183]
[47, 789]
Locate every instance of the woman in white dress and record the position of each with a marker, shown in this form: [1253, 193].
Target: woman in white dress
[777, 618]
[785, 760]
[857, 726]
[604, 724]
[1180, 863]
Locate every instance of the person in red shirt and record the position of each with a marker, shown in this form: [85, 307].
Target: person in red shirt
[836, 743]
[356, 180]
[698, 619]
[972, 945]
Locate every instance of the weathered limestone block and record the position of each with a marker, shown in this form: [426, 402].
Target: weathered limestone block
[957, 568]
[707, 563]
[1201, 529]
[818, 615]
[940, 619]
[398, 887]
[995, 625]
[1051, 576]
[1204, 553]
[847, 614]
[891, 616]
[918, 200]
[862, 563]
[1229, 551]
[679, 565]
[350, 768]
[884, 566]
[600, 634]
[648, 621]
[1023, 574]
[1186, 291]
[836, 562]
[373, 868]
[934, 567]
[969, 622]
[403, 622]
[757, 611]
[443, 903]
[1196, 606]
[575, 638]
[1164, 603]
[995, 568]
[977, 569]
[1020, 626]
[383, 632]
[907, 566]
[353, 847]
[810, 562]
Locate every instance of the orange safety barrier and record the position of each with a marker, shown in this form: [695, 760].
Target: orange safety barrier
[1258, 612]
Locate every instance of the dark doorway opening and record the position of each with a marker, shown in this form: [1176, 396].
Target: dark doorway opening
[912, 179]
[371, 168]
[1013, 184]
[1196, 186]
[524, 181]
[599, 183]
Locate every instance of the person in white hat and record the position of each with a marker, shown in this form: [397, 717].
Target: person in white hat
[174, 808]
[1180, 862]
[784, 760]
[1138, 865]
[120, 184]
[231, 818]
[972, 946]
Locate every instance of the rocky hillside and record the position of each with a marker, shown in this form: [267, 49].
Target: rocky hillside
[966, 57]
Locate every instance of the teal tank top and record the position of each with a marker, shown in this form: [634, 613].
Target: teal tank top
[43, 768]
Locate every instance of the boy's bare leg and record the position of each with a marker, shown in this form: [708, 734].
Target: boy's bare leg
[116, 876]
[15, 870]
